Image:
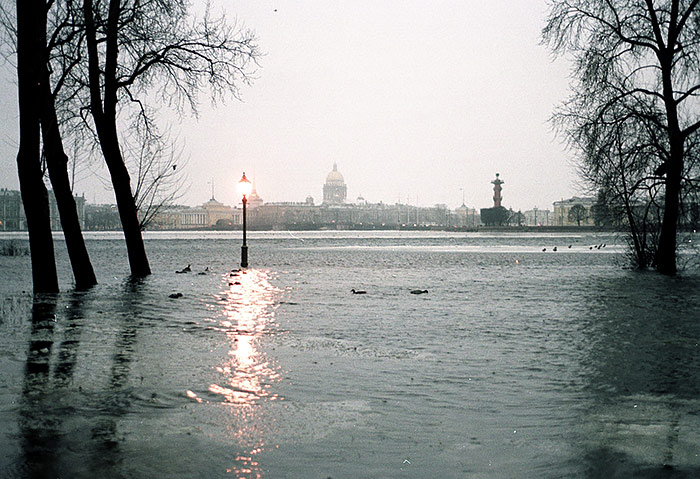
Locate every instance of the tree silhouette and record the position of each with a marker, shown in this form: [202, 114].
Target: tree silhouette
[31, 39]
[578, 213]
[152, 48]
[635, 62]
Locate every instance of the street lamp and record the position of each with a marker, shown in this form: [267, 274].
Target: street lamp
[244, 188]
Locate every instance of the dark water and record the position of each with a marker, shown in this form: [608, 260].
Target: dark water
[516, 363]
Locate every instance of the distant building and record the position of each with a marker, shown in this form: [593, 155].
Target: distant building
[561, 209]
[465, 217]
[12, 217]
[11, 211]
[335, 192]
[254, 200]
[538, 217]
[306, 215]
[102, 217]
[211, 214]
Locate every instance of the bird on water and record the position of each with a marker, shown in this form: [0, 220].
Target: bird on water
[356, 291]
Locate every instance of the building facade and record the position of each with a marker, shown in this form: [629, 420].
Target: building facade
[209, 215]
[538, 217]
[465, 217]
[306, 215]
[561, 210]
[12, 217]
[12, 211]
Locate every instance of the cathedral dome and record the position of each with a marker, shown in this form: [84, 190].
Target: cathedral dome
[335, 191]
[334, 177]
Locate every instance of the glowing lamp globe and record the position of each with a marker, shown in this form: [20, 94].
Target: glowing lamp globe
[244, 186]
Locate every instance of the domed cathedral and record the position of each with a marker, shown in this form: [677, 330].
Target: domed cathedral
[335, 192]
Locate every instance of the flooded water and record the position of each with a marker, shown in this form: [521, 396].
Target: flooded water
[517, 362]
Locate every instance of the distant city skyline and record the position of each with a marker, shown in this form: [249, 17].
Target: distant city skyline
[416, 102]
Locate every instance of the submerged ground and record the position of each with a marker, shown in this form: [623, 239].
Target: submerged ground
[518, 362]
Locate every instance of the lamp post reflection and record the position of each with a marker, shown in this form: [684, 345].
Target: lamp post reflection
[248, 374]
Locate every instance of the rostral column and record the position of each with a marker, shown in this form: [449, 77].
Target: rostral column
[497, 192]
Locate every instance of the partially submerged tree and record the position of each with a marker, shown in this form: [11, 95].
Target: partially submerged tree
[64, 32]
[51, 53]
[641, 61]
[617, 150]
[31, 39]
[103, 107]
[136, 46]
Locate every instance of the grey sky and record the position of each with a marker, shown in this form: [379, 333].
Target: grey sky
[413, 100]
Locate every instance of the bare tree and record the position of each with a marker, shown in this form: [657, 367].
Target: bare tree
[63, 32]
[103, 107]
[159, 175]
[134, 47]
[578, 213]
[620, 149]
[31, 40]
[642, 58]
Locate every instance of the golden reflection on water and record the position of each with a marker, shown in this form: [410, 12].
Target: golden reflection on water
[247, 376]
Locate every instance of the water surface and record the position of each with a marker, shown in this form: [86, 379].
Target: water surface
[518, 362]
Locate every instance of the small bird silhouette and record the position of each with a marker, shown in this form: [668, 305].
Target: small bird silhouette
[175, 295]
[355, 291]
[419, 291]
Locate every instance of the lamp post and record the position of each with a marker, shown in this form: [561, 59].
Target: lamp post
[244, 188]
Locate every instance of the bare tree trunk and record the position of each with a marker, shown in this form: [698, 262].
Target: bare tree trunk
[665, 259]
[138, 261]
[30, 42]
[57, 163]
[103, 110]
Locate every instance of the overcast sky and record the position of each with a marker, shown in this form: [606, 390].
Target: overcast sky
[417, 101]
